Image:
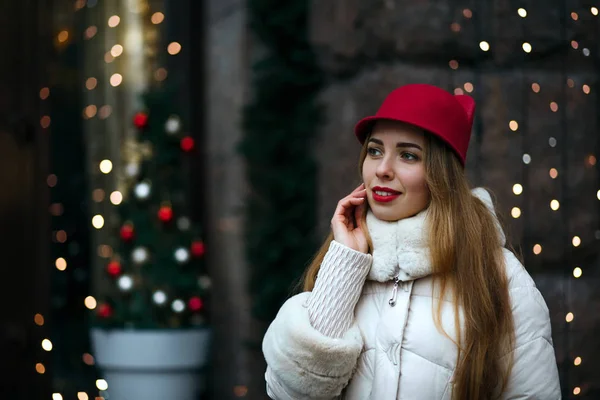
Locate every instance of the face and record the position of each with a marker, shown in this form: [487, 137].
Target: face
[394, 171]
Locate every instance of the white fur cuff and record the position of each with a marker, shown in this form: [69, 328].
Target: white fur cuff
[305, 361]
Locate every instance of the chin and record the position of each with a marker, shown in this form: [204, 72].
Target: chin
[387, 215]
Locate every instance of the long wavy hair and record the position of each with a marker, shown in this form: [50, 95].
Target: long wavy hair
[466, 254]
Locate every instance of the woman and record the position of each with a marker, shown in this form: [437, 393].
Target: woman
[413, 295]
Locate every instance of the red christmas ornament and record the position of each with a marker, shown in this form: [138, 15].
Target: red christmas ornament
[197, 248]
[195, 303]
[165, 213]
[127, 232]
[104, 311]
[140, 120]
[114, 268]
[187, 144]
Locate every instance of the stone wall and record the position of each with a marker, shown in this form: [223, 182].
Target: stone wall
[368, 47]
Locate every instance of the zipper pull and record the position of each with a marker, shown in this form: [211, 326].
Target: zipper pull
[392, 301]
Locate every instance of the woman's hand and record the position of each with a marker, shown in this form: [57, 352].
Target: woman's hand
[346, 222]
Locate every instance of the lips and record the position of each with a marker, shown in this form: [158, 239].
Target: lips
[384, 194]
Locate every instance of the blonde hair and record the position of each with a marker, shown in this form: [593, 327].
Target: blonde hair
[458, 220]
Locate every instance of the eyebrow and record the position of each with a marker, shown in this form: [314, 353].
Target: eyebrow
[400, 144]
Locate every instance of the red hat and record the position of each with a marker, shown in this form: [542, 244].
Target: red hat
[447, 116]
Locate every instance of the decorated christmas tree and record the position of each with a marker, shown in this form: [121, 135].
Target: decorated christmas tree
[157, 275]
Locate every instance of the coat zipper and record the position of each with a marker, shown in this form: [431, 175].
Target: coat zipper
[392, 301]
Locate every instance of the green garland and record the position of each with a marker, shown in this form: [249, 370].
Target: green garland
[279, 126]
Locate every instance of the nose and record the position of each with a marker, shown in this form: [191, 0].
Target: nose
[385, 169]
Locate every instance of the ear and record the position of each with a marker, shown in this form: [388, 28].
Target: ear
[468, 105]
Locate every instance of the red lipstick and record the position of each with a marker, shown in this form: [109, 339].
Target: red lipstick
[390, 194]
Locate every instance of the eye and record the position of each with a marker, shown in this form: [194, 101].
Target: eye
[372, 151]
[409, 156]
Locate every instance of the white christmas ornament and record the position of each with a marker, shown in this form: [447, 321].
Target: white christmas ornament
[159, 297]
[125, 283]
[182, 255]
[139, 255]
[132, 169]
[142, 190]
[183, 223]
[173, 125]
[178, 306]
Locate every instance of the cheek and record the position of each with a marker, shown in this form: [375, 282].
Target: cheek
[414, 180]
[367, 170]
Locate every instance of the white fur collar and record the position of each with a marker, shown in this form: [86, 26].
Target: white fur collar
[401, 248]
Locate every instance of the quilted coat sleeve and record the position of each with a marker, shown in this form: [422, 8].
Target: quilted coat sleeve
[534, 373]
[313, 345]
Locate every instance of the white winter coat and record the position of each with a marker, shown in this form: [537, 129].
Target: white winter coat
[345, 340]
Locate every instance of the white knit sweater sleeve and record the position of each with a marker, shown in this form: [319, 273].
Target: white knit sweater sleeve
[312, 346]
[337, 289]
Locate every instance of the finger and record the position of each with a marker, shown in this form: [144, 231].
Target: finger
[346, 203]
[359, 188]
[359, 213]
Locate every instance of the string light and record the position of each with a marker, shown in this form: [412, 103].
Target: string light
[63, 36]
[468, 87]
[526, 158]
[453, 64]
[114, 20]
[513, 125]
[467, 13]
[173, 48]
[90, 303]
[157, 18]
[91, 83]
[116, 50]
[483, 45]
[574, 16]
[577, 390]
[553, 173]
[98, 221]
[517, 189]
[552, 142]
[535, 87]
[527, 47]
[554, 106]
[586, 89]
[116, 79]
[577, 272]
[116, 197]
[577, 361]
[101, 384]
[569, 317]
[38, 319]
[522, 12]
[515, 212]
[594, 11]
[105, 166]
[537, 249]
[44, 93]
[45, 121]
[47, 345]
[554, 205]
[82, 396]
[61, 264]
[40, 369]
[576, 241]
[574, 44]
[90, 32]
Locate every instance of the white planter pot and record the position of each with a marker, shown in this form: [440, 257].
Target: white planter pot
[152, 365]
